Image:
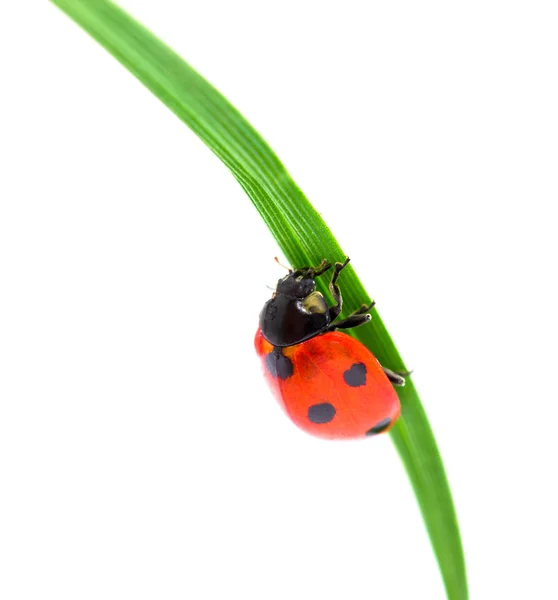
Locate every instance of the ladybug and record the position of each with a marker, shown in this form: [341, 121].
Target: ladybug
[328, 383]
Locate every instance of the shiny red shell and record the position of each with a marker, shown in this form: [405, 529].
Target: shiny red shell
[331, 386]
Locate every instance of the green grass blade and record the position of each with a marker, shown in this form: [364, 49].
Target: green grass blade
[300, 232]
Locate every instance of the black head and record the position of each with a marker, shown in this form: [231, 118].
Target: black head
[301, 283]
[297, 284]
[296, 311]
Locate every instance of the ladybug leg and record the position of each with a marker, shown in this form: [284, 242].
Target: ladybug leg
[321, 268]
[359, 317]
[365, 308]
[335, 310]
[396, 378]
[310, 271]
[350, 322]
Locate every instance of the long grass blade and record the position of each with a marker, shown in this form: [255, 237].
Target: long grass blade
[300, 232]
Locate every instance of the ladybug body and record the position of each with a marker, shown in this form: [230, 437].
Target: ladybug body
[327, 382]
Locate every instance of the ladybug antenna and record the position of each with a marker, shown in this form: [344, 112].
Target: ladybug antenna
[282, 265]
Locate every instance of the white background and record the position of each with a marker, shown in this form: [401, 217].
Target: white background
[141, 455]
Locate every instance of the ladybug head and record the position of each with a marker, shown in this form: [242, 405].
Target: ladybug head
[300, 283]
[296, 312]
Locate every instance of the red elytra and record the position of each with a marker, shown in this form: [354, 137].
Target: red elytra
[330, 385]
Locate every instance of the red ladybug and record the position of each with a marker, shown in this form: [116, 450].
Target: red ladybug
[329, 384]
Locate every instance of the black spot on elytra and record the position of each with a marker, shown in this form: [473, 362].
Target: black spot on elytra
[356, 375]
[379, 427]
[278, 364]
[321, 413]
